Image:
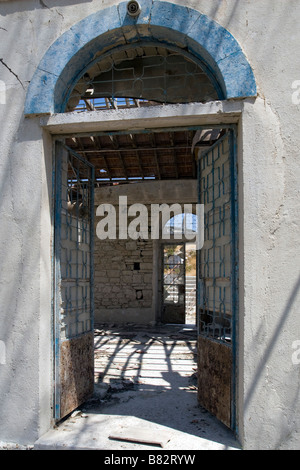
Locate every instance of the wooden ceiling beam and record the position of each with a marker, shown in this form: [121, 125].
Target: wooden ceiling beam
[153, 142]
[171, 135]
[126, 149]
[135, 146]
[97, 144]
[116, 145]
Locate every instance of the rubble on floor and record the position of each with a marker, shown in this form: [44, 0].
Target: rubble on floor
[145, 386]
[13, 446]
[131, 355]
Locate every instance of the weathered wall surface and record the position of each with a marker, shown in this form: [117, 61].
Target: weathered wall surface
[269, 140]
[269, 325]
[124, 281]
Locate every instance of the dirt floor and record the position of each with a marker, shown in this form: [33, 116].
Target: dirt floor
[145, 396]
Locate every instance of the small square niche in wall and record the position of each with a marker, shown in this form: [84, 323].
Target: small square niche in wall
[139, 295]
[136, 266]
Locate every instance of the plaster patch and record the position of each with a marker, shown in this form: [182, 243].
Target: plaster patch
[2, 353]
[2, 92]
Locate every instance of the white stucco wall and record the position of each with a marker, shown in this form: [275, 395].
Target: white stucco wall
[268, 31]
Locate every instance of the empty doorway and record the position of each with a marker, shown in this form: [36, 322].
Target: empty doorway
[179, 268]
[174, 286]
[136, 271]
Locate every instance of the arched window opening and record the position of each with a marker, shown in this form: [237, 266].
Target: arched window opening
[184, 225]
[142, 75]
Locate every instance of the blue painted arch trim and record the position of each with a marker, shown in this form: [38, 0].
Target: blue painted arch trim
[170, 24]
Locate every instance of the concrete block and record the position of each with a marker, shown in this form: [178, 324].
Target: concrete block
[146, 266]
[113, 273]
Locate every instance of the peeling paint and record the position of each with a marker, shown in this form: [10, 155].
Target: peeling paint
[214, 378]
[77, 372]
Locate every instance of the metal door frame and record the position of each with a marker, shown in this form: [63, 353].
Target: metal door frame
[161, 254]
[58, 147]
[232, 130]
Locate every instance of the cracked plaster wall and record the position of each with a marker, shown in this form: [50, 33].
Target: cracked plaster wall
[268, 389]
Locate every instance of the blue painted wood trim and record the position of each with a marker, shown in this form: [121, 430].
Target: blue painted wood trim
[161, 21]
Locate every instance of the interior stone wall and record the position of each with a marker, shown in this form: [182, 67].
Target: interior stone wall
[123, 281]
[127, 272]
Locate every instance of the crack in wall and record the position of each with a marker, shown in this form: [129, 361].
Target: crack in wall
[11, 71]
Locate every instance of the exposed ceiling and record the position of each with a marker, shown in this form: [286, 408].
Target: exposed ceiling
[124, 158]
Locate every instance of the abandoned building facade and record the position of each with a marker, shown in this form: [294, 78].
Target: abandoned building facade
[129, 129]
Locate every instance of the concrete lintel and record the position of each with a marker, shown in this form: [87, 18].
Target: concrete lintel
[178, 115]
[146, 192]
